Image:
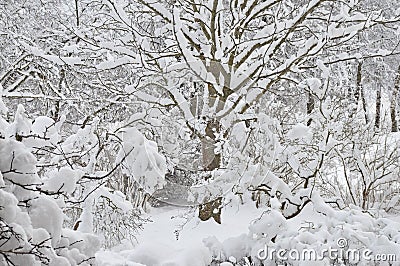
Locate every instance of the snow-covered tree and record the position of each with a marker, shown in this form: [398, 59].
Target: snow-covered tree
[214, 64]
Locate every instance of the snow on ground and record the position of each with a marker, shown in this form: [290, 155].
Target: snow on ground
[158, 243]
[197, 241]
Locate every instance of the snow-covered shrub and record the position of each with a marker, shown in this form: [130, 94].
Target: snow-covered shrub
[31, 219]
[115, 218]
[142, 163]
[55, 206]
[352, 236]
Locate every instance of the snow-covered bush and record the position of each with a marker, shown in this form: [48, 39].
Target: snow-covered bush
[352, 237]
[141, 162]
[55, 206]
[32, 231]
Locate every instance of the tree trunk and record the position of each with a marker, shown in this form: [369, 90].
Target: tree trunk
[57, 108]
[358, 91]
[211, 209]
[364, 105]
[358, 83]
[211, 159]
[77, 13]
[393, 102]
[378, 107]
[310, 107]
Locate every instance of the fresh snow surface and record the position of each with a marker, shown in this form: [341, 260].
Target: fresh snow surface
[177, 238]
[158, 243]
